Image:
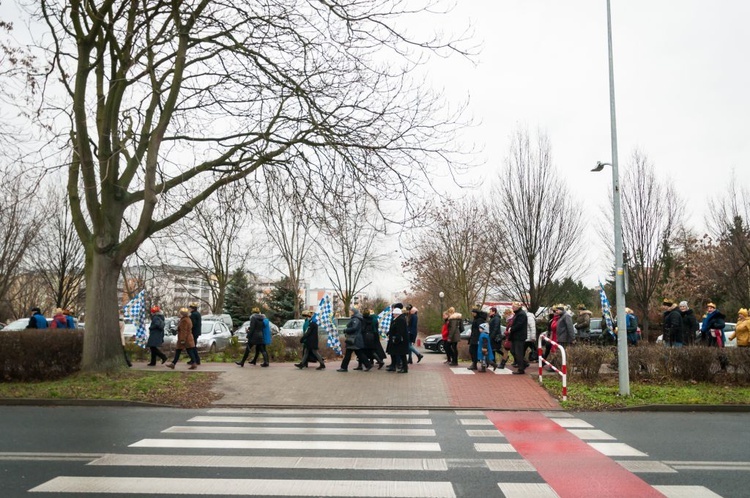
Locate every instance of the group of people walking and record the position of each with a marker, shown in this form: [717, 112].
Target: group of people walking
[682, 328]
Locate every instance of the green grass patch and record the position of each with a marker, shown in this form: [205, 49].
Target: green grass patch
[604, 395]
[183, 389]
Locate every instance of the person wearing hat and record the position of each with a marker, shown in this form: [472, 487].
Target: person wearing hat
[690, 326]
[156, 336]
[185, 340]
[583, 323]
[480, 317]
[518, 332]
[398, 343]
[255, 338]
[484, 349]
[309, 341]
[671, 324]
[195, 320]
[712, 327]
[742, 331]
[412, 318]
[36, 320]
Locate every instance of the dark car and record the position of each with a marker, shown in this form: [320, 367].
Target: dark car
[435, 342]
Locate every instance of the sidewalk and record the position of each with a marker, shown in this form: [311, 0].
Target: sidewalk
[429, 384]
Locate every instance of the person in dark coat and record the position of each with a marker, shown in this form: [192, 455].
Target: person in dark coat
[496, 330]
[480, 317]
[712, 327]
[373, 349]
[690, 325]
[309, 341]
[398, 343]
[672, 324]
[412, 319]
[156, 336]
[255, 338]
[518, 331]
[37, 320]
[355, 343]
[195, 320]
[565, 329]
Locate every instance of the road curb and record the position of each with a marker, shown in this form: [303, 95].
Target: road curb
[686, 408]
[79, 402]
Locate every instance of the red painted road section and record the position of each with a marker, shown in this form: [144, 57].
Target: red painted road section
[570, 466]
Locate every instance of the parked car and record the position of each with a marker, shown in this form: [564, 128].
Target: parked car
[435, 342]
[215, 336]
[292, 328]
[224, 317]
[20, 324]
[241, 332]
[728, 328]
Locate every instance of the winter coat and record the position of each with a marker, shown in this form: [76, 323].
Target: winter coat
[370, 331]
[742, 333]
[485, 342]
[583, 324]
[530, 328]
[689, 326]
[480, 317]
[310, 336]
[455, 327]
[496, 331]
[672, 326]
[195, 321]
[353, 331]
[37, 321]
[71, 322]
[185, 339]
[255, 330]
[412, 325]
[156, 330]
[565, 329]
[398, 337]
[59, 321]
[519, 327]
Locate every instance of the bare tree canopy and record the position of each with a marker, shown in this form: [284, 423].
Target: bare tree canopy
[174, 100]
[652, 215]
[455, 254]
[539, 223]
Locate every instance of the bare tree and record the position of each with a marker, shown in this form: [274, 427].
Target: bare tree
[350, 247]
[540, 223]
[175, 100]
[729, 225]
[209, 240]
[455, 253]
[19, 229]
[651, 217]
[288, 227]
[58, 256]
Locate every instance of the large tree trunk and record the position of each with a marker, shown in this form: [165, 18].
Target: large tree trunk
[102, 346]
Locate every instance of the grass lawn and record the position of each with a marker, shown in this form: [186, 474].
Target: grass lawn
[604, 394]
[182, 389]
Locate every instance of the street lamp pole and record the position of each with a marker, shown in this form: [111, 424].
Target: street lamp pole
[622, 344]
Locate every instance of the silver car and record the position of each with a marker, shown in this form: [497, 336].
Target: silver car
[215, 336]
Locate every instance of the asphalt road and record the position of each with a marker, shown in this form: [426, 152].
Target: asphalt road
[105, 451]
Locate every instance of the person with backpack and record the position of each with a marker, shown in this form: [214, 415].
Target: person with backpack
[59, 320]
[255, 338]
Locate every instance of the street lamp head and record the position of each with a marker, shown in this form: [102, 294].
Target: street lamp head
[442, 294]
[600, 166]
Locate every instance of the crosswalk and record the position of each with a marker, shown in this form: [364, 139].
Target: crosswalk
[337, 453]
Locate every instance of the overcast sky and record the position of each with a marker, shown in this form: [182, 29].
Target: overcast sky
[682, 84]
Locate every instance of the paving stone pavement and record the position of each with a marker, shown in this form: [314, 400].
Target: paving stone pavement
[429, 384]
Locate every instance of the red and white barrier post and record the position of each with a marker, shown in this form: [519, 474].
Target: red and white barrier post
[563, 373]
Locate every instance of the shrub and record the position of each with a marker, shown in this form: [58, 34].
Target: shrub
[739, 363]
[40, 354]
[587, 360]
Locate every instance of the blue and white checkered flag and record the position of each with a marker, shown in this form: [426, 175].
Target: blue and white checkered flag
[384, 321]
[135, 311]
[606, 311]
[325, 320]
